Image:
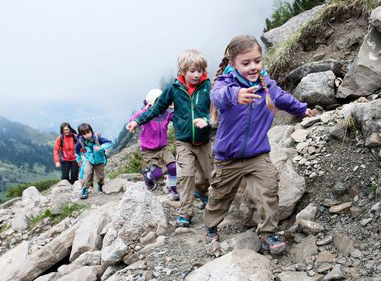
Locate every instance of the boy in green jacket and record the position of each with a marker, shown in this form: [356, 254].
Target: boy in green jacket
[190, 95]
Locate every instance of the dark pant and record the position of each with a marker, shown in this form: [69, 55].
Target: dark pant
[69, 167]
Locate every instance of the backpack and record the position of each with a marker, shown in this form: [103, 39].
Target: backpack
[96, 140]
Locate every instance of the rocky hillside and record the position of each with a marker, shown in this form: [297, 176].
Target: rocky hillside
[329, 187]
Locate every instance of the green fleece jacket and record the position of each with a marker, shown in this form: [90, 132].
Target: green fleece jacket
[187, 108]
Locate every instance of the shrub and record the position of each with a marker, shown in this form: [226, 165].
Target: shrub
[16, 191]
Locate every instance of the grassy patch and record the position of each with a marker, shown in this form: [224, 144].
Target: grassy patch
[67, 211]
[16, 191]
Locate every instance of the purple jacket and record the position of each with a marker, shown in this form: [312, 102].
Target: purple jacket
[154, 133]
[242, 130]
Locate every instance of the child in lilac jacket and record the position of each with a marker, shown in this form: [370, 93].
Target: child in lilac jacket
[153, 146]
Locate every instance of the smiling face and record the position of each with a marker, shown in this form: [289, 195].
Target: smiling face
[249, 64]
[66, 131]
[193, 75]
[88, 135]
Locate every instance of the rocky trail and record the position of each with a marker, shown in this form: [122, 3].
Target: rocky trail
[329, 175]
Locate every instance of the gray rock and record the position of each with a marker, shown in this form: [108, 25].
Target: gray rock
[86, 259]
[110, 271]
[314, 67]
[11, 260]
[364, 76]
[247, 240]
[375, 19]
[326, 240]
[309, 121]
[343, 244]
[335, 274]
[305, 250]
[116, 185]
[87, 236]
[310, 227]
[31, 197]
[297, 276]
[239, 265]
[280, 34]
[48, 277]
[86, 273]
[300, 135]
[139, 212]
[44, 258]
[20, 222]
[341, 208]
[317, 89]
[364, 222]
[340, 188]
[308, 213]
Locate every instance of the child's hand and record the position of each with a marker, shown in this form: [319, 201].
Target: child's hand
[309, 112]
[200, 123]
[246, 96]
[132, 126]
[97, 148]
[79, 164]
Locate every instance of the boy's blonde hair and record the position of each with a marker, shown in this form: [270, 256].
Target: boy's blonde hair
[189, 57]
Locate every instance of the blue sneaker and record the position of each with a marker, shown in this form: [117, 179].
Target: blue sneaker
[203, 198]
[84, 193]
[182, 222]
[274, 244]
[100, 188]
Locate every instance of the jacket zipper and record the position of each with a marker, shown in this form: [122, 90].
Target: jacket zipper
[247, 133]
[192, 111]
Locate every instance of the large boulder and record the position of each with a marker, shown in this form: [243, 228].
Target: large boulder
[20, 222]
[317, 89]
[239, 265]
[86, 273]
[282, 33]
[86, 259]
[61, 194]
[299, 73]
[139, 213]
[375, 19]
[87, 236]
[364, 76]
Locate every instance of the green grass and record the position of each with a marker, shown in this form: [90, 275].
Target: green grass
[4, 227]
[68, 210]
[16, 191]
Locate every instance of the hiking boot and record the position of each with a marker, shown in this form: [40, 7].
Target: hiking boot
[212, 234]
[174, 195]
[84, 193]
[150, 184]
[203, 198]
[274, 245]
[182, 222]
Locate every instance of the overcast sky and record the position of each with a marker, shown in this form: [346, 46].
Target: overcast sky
[91, 60]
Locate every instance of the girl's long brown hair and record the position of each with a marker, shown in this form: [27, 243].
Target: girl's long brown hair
[239, 44]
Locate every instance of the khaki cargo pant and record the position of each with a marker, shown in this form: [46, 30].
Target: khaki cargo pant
[261, 185]
[90, 170]
[159, 157]
[193, 165]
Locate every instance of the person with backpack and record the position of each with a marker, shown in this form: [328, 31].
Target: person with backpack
[64, 145]
[93, 147]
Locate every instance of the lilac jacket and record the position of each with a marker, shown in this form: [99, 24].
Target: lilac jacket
[242, 130]
[154, 133]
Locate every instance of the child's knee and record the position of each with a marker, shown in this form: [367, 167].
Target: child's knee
[171, 167]
[156, 172]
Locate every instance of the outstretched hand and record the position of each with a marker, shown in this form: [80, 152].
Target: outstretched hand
[246, 96]
[309, 112]
[132, 126]
[200, 123]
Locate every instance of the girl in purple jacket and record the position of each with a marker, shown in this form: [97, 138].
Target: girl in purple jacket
[153, 146]
[245, 99]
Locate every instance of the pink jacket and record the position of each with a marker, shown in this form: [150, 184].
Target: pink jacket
[154, 133]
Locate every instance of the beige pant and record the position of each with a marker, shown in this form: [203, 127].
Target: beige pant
[261, 185]
[193, 166]
[90, 170]
[159, 157]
